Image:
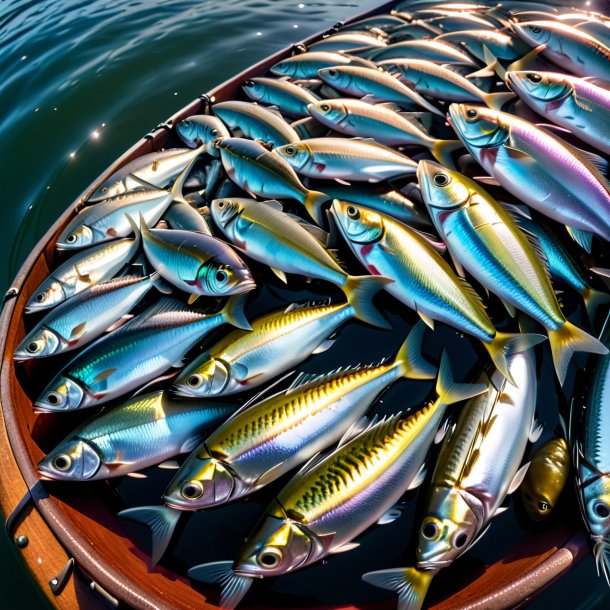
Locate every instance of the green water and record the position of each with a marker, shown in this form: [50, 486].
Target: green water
[82, 81]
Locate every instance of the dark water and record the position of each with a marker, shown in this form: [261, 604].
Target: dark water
[81, 82]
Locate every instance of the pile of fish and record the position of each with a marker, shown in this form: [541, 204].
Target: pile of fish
[452, 156]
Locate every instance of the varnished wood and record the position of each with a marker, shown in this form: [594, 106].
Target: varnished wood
[76, 523]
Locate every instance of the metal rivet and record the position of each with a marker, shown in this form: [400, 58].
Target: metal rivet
[22, 541]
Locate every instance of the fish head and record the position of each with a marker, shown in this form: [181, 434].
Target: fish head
[74, 237]
[442, 189]
[595, 496]
[539, 86]
[62, 394]
[73, 460]
[240, 148]
[42, 342]
[254, 89]
[277, 545]
[216, 277]
[358, 224]
[328, 112]
[286, 67]
[208, 378]
[202, 129]
[534, 33]
[224, 211]
[296, 154]
[336, 77]
[453, 521]
[478, 126]
[49, 294]
[201, 482]
[537, 503]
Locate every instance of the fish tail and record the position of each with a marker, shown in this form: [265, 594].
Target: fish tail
[413, 364]
[450, 391]
[569, 339]
[443, 149]
[313, 204]
[359, 291]
[233, 311]
[162, 522]
[176, 190]
[233, 587]
[497, 100]
[410, 584]
[593, 299]
[504, 345]
[138, 230]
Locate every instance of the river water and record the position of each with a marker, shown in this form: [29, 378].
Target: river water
[82, 81]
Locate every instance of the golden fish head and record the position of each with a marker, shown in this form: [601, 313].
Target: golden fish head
[207, 379]
[478, 126]
[357, 223]
[442, 188]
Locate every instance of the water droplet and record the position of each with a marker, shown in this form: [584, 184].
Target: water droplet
[95, 134]
[24, 57]
[72, 155]
[301, 5]
[295, 26]
[259, 33]
[37, 109]
[55, 108]
[175, 93]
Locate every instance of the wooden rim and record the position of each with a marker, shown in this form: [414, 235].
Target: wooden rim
[60, 529]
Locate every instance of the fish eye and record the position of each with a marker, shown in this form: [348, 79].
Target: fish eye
[471, 114]
[32, 347]
[332, 73]
[221, 276]
[353, 212]
[71, 238]
[430, 531]
[441, 179]
[53, 398]
[104, 189]
[192, 490]
[601, 510]
[214, 131]
[533, 77]
[62, 462]
[535, 29]
[269, 557]
[460, 541]
[544, 506]
[290, 150]
[325, 107]
[41, 297]
[221, 204]
[193, 381]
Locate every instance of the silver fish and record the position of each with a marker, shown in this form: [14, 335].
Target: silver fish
[202, 129]
[307, 65]
[288, 97]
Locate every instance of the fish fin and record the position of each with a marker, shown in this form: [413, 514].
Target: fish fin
[233, 587]
[596, 160]
[523, 63]
[428, 321]
[504, 345]
[359, 291]
[432, 241]
[410, 584]
[233, 311]
[412, 363]
[280, 274]
[536, 430]
[387, 248]
[343, 182]
[552, 127]
[313, 204]
[517, 209]
[442, 431]
[191, 443]
[320, 235]
[569, 339]
[490, 180]
[442, 151]
[136, 475]
[103, 375]
[593, 299]
[515, 153]
[348, 546]
[510, 308]
[484, 72]
[419, 478]
[78, 331]
[169, 465]
[492, 61]
[390, 516]
[582, 238]
[457, 264]
[518, 478]
[499, 511]
[258, 396]
[119, 322]
[483, 531]
[312, 462]
[178, 185]
[325, 345]
[497, 100]
[357, 428]
[192, 298]
[159, 284]
[600, 271]
[273, 203]
[448, 390]
[162, 522]
[239, 371]
[270, 475]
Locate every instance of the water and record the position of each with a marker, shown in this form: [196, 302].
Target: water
[82, 81]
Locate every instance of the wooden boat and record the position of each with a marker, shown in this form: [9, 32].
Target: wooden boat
[75, 545]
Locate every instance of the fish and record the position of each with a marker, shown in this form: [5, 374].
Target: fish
[415, 30]
[291, 99]
[432, 50]
[84, 317]
[346, 42]
[452, 21]
[201, 130]
[573, 103]
[243, 360]
[196, 263]
[567, 46]
[501, 44]
[434, 80]
[479, 464]
[377, 21]
[157, 169]
[588, 434]
[262, 172]
[81, 271]
[141, 432]
[562, 265]
[134, 354]
[359, 119]
[333, 500]
[306, 65]
[112, 218]
[537, 167]
[374, 85]
[346, 159]
[256, 122]
[546, 478]
[183, 216]
[486, 241]
[309, 128]
[388, 248]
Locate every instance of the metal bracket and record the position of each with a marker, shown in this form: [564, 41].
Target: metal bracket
[11, 293]
[31, 496]
[206, 103]
[111, 601]
[167, 126]
[298, 49]
[58, 583]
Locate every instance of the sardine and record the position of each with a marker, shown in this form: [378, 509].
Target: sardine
[288, 97]
[502, 45]
[432, 50]
[346, 42]
[201, 130]
[306, 65]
